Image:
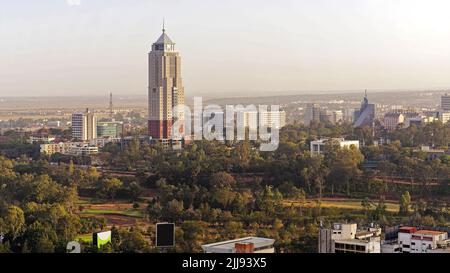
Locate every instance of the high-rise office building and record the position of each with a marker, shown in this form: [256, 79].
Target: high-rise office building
[365, 116]
[445, 102]
[165, 88]
[84, 126]
[312, 113]
[273, 119]
[270, 119]
[326, 116]
[111, 129]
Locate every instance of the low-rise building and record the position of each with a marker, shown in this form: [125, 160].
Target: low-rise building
[54, 124]
[40, 139]
[346, 238]
[412, 240]
[101, 142]
[54, 148]
[243, 245]
[420, 241]
[82, 149]
[317, 147]
[416, 121]
[444, 116]
[391, 247]
[431, 153]
[424, 240]
[68, 148]
[393, 120]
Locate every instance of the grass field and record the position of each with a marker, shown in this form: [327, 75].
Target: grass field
[351, 204]
[87, 238]
[128, 212]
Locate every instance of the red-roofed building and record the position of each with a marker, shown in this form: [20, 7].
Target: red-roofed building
[412, 240]
[407, 229]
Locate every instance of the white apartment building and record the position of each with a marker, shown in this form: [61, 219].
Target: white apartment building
[445, 102]
[275, 119]
[345, 238]
[84, 126]
[317, 147]
[81, 149]
[411, 240]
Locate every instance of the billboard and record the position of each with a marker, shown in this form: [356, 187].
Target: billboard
[165, 235]
[101, 238]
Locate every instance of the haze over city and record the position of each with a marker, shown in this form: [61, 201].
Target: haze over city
[287, 128]
[66, 48]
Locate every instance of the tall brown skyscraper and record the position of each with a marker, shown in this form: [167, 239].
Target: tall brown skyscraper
[165, 88]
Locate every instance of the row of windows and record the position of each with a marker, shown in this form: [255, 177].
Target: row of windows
[350, 247]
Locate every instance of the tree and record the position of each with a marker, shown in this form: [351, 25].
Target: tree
[379, 214]
[233, 230]
[367, 205]
[405, 202]
[222, 180]
[343, 164]
[133, 241]
[222, 192]
[173, 210]
[108, 187]
[154, 211]
[13, 222]
[269, 200]
[194, 233]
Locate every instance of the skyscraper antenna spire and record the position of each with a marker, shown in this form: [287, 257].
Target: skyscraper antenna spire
[164, 25]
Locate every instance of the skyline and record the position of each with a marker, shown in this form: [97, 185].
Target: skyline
[401, 45]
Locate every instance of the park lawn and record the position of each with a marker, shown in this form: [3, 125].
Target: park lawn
[129, 212]
[86, 238]
[84, 201]
[352, 204]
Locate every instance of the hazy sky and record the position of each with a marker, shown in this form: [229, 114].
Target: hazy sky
[245, 47]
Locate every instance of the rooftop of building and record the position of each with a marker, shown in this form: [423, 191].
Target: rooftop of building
[333, 139]
[363, 233]
[164, 39]
[229, 246]
[393, 114]
[429, 232]
[428, 149]
[407, 229]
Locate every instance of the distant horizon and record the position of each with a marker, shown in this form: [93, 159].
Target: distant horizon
[235, 94]
[52, 48]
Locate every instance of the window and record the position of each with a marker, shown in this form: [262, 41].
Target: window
[361, 248]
